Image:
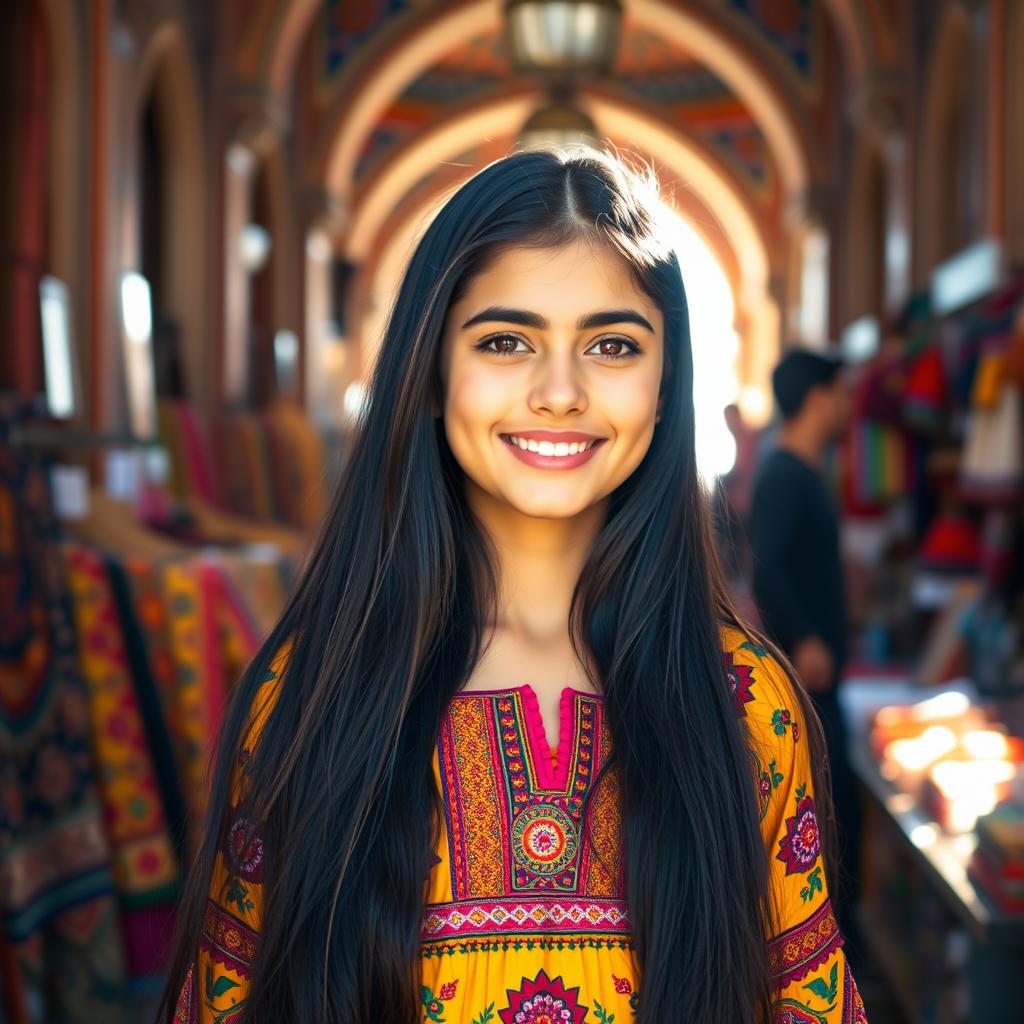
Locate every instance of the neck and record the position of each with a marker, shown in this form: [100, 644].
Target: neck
[800, 440]
[539, 561]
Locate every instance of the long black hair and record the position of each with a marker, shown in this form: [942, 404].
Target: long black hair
[388, 620]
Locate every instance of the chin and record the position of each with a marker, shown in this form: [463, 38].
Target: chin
[549, 509]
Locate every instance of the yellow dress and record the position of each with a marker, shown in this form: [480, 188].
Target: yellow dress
[525, 919]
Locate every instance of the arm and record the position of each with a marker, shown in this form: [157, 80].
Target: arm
[217, 985]
[774, 536]
[811, 976]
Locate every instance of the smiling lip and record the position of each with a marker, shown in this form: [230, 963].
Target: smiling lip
[539, 461]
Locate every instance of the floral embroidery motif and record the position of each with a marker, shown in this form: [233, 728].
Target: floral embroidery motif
[789, 1011]
[781, 720]
[218, 986]
[799, 950]
[792, 1011]
[515, 828]
[741, 678]
[825, 990]
[814, 884]
[243, 849]
[544, 839]
[543, 1001]
[766, 781]
[756, 649]
[624, 987]
[433, 1006]
[800, 846]
[853, 1004]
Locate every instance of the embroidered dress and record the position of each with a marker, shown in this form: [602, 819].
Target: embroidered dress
[526, 919]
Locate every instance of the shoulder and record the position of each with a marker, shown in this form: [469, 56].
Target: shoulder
[780, 467]
[762, 689]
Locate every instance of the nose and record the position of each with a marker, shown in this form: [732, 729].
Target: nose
[558, 388]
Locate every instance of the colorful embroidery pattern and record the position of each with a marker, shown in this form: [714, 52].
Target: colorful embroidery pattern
[541, 914]
[799, 847]
[514, 824]
[228, 940]
[741, 678]
[853, 1004]
[783, 720]
[764, 785]
[243, 850]
[433, 1006]
[543, 1001]
[525, 918]
[624, 987]
[800, 949]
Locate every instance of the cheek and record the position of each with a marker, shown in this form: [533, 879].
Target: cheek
[474, 400]
[631, 402]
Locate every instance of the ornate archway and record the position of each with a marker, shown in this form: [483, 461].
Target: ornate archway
[166, 77]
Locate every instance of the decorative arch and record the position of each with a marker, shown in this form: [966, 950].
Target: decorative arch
[166, 74]
[271, 42]
[365, 89]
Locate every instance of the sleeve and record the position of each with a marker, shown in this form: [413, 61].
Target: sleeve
[774, 530]
[812, 979]
[217, 984]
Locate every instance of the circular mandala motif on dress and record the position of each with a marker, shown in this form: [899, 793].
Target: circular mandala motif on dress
[544, 839]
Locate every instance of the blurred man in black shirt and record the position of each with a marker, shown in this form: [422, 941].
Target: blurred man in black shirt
[797, 571]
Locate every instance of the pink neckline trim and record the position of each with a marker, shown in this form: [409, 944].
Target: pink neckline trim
[548, 776]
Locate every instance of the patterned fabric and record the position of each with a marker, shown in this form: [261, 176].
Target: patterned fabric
[146, 870]
[525, 917]
[151, 700]
[61, 950]
[297, 462]
[260, 583]
[244, 465]
[152, 620]
[190, 591]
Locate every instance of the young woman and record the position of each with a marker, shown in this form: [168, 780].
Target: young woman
[509, 756]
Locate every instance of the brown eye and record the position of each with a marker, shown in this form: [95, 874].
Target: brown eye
[616, 346]
[505, 344]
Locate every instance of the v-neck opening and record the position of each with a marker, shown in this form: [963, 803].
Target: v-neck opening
[549, 776]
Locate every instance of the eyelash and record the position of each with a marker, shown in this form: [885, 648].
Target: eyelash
[632, 347]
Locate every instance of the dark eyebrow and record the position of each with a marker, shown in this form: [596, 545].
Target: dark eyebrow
[604, 318]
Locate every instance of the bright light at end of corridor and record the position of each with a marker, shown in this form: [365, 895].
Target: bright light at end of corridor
[714, 341]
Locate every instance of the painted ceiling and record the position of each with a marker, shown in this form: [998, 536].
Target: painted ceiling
[651, 71]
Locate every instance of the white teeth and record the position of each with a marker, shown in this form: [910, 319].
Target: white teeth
[557, 449]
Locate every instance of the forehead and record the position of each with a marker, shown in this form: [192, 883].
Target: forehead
[562, 281]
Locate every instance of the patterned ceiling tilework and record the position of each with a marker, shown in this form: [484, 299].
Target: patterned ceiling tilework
[649, 69]
[349, 23]
[788, 25]
[476, 71]
[687, 93]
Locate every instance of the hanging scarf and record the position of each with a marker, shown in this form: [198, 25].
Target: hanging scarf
[63, 949]
[146, 872]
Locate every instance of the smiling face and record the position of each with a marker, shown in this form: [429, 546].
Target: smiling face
[548, 350]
